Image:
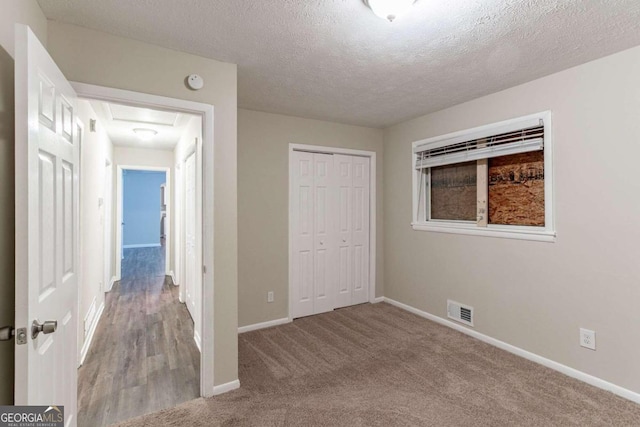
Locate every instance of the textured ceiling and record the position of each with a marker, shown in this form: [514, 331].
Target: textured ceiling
[335, 60]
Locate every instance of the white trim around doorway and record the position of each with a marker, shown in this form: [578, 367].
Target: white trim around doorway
[372, 211]
[206, 112]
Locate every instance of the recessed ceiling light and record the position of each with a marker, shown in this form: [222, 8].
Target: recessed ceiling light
[389, 9]
[145, 134]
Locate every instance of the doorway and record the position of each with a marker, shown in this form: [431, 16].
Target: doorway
[145, 334]
[206, 147]
[143, 213]
[332, 223]
[53, 224]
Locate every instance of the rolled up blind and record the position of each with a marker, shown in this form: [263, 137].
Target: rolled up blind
[457, 150]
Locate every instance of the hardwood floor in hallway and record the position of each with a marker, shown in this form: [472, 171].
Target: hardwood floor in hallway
[143, 357]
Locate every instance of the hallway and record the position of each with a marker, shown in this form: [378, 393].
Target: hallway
[143, 357]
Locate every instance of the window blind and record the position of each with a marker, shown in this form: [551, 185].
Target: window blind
[458, 150]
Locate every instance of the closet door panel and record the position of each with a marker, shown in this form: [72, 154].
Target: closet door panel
[360, 232]
[344, 189]
[324, 239]
[303, 201]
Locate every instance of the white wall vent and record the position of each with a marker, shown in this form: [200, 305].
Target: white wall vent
[460, 313]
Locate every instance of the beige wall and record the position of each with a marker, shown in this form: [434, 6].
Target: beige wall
[263, 204]
[98, 58]
[25, 12]
[537, 295]
[96, 149]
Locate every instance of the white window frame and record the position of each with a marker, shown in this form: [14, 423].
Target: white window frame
[546, 233]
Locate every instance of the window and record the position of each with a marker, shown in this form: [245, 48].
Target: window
[493, 180]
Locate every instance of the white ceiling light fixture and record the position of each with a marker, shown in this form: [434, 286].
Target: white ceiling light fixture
[389, 9]
[145, 134]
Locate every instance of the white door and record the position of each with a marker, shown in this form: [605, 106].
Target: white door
[46, 152]
[178, 245]
[360, 230]
[313, 236]
[353, 184]
[344, 179]
[191, 294]
[302, 234]
[324, 235]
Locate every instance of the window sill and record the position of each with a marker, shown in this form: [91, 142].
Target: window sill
[503, 233]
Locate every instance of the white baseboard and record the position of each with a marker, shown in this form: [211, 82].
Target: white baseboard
[263, 325]
[113, 280]
[227, 387]
[143, 245]
[378, 300]
[571, 372]
[173, 277]
[89, 337]
[198, 340]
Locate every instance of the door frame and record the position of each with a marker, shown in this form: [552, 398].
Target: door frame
[206, 112]
[372, 211]
[120, 213]
[80, 130]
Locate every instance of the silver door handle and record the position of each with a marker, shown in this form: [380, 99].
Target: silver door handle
[344, 240]
[47, 327]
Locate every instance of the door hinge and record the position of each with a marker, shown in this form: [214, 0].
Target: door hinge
[204, 269]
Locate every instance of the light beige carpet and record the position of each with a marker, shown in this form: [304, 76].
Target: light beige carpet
[377, 365]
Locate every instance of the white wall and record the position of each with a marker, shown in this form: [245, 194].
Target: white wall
[96, 149]
[263, 205]
[24, 12]
[535, 295]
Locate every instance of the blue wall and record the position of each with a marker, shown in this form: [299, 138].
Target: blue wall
[141, 207]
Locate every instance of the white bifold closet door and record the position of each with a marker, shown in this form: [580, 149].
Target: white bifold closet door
[352, 177]
[313, 239]
[330, 232]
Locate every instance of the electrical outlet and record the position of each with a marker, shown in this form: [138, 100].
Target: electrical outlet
[587, 339]
[270, 296]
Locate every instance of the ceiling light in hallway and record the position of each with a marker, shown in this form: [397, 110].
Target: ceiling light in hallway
[145, 134]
